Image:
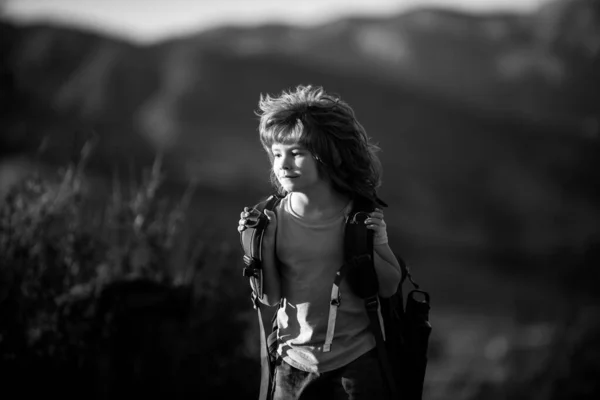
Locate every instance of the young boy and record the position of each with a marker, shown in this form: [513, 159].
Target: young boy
[322, 162]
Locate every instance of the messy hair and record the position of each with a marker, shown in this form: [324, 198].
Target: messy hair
[327, 127]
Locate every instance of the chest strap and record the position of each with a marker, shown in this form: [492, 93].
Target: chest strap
[336, 299]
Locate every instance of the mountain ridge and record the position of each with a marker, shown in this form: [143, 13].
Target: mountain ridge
[468, 174]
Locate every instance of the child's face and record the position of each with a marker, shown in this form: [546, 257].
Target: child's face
[294, 166]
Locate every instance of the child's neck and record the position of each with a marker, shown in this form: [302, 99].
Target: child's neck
[320, 203]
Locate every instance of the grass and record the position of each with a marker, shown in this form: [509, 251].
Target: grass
[127, 289]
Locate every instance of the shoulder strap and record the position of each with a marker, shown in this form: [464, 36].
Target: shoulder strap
[251, 240]
[358, 250]
[359, 240]
[358, 247]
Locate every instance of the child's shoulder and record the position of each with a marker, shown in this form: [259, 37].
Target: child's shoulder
[274, 202]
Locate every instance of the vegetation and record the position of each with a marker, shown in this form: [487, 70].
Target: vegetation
[118, 296]
[108, 298]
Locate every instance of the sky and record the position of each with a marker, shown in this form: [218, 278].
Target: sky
[148, 21]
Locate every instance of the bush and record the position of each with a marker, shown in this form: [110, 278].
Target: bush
[105, 298]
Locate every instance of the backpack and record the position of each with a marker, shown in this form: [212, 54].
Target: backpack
[401, 331]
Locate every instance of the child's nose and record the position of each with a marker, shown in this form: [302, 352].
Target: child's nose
[285, 162]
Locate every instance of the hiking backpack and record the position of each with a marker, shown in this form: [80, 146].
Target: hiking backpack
[401, 331]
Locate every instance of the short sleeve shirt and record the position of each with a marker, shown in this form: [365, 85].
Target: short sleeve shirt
[310, 254]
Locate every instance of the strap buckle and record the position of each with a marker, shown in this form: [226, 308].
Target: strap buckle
[252, 267]
[359, 217]
[372, 303]
[337, 301]
[254, 300]
[249, 272]
[249, 261]
[255, 218]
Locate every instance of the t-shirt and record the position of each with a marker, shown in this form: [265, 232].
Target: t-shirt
[310, 254]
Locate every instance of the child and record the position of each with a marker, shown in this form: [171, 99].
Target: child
[321, 162]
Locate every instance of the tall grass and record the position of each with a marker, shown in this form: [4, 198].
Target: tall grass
[78, 275]
[119, 297]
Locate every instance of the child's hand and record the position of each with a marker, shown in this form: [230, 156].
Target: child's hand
[242, 222]
[269, 230]
[376, 223]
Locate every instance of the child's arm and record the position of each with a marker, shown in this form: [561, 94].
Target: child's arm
[271, 280]
[387, 267]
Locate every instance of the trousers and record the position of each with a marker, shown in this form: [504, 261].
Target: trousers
[361, 379]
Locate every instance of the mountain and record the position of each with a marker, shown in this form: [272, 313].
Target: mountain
[523, 65]
[489, 141]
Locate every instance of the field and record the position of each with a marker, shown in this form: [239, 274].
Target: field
[121, 289]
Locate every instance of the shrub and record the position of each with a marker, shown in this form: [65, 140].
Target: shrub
[100, 294]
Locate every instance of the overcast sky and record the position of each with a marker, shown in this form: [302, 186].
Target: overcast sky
[152, 20]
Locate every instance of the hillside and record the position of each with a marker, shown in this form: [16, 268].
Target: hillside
[481, 153]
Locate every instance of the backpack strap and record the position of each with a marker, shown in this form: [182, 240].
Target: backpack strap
[354, 261]
[336, 299]
[251, 240]
[358, 249]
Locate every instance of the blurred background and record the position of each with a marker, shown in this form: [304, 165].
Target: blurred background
[129, 146]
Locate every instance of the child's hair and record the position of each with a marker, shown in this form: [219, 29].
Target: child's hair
[327, 127]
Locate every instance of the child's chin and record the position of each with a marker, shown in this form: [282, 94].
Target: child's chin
[287, 183]
[289, 187]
